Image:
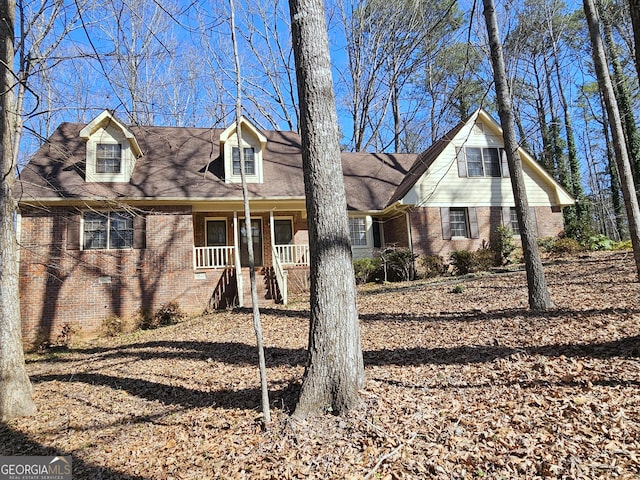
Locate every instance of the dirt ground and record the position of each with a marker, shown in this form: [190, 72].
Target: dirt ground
[459, 385]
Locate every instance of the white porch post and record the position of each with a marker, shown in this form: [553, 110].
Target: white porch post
[272, 231]
[236, 250]
[407, 217]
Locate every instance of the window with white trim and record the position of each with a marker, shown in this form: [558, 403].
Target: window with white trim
[515, 225]
[108, 158]
[358, 231]
[249, 161]
[107, 230]
[458, 222]
[483, 162]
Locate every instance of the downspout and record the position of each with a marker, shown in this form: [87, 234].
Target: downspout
[18, 235]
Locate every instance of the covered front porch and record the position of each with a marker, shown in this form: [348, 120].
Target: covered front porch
[281, 247]
[280, 243]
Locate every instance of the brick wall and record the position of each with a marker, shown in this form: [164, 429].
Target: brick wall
[426, 229]
[396, 231]
[61, 284]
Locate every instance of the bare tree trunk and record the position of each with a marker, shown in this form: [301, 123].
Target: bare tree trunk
[625, 106]
[15, 387]
[539, 298]
[634, 8]
[257, 324]
[617, 132]
[335, 369]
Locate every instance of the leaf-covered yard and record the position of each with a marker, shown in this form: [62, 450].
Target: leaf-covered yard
[459, 385]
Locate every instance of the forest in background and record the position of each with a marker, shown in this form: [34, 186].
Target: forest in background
[405, 72]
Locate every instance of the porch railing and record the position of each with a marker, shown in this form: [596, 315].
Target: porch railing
[213, 257]
[293, 255]
[281, 276]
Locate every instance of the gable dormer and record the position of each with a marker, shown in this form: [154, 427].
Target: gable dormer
[253, 145]
[111, 149]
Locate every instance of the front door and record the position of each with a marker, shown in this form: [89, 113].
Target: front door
[256, 234]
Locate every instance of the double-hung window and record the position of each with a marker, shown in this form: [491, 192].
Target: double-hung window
[249, 161]
[108, 158]
[482, 162]
[515, 226]
[107, 230]
[458, 222]
[358, 231]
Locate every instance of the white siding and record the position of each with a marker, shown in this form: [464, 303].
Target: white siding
[441, 185]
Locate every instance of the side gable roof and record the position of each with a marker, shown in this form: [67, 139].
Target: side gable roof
[184, 164]
[371, 178]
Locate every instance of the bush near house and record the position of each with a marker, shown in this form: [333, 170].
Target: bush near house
[464, 261]
[503, 245]
[367, 270]
[167, 314]
[397, 264]
[560, 245]
[432, 266]
[389, 265]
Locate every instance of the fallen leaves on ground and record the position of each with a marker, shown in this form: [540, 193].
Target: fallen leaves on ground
[459, 385]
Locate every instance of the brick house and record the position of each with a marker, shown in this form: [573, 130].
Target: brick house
[115, 218]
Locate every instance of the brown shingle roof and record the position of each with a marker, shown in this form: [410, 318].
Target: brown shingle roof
[423, 162]
[185, 163]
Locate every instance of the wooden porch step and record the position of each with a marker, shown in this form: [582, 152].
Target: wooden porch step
[263, 294]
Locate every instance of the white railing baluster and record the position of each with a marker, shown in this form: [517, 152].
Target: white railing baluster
[293, 255]
[213, 257]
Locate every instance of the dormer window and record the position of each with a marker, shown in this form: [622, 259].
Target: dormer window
[108, 158]
[253, 144]
[111, 149]
[249, 161]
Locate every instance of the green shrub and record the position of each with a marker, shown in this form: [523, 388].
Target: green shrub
[461, 261]
[503, 245]
[598, 242]
[566, 246]
[457, 289]
[626, 245]
[397, 264]
[464, 261]
[483, 260]
[367, 270]
[559, 245]
[546, 244]
[432, 266]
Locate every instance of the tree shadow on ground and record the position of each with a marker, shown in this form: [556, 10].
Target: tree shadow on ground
[228, 352]
[18, 444]
[628, 347]
[521, 384]
[243, 398]
[497, 315]
[284, 395]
